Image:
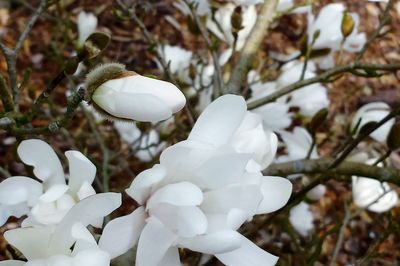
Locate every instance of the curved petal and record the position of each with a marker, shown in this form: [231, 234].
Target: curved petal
[179, 194]
[154, 243]
[276, 193]
[41, 156]
[248, 254]
[92, 257]
[140, 188]
[244, 197]
[54, 193]
[12, 263]
[85, 191]
[219, 121]
[301, 218]
[213, 243]
[186, 221]
[80, 232]
[221, 170]
[19, 189]
[232, 220]
[81, 169]
[31, 241]
[86, 211]
[171, 258]
[122, 233]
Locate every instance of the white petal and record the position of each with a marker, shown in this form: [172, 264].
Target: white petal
[179, 194]
[316, 193]
[12, 263]
[247, 254]
[213, 243]
[221, 170]
[233, 220]
[32, 241]
[276, 192]
[80, 232]
[171, 258]
[220, 119]
[186, 221]
[92, 257]
[54, 193]
[85, 212]
[302, 218]
[122, 233]
[85, 191]
[154, 242]
[140, 188]
[81, 169]
[41, 156]
[19, 189]
[87, 23]
[244, 197]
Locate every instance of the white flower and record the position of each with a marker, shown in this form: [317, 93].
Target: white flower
[302, 218]
[372, 194]
[49, 201]
[223, 18]
[366, 191]
[328, 22]
[374, 112]
[87, 24]
[202, 7]
[139, 98]
[317, 192]
[201, 192]
[178, 60]
[70, 242]
[145, 145]
[298, 144]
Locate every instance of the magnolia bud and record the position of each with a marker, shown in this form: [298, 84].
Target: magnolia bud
[125, 95]
[347, 24]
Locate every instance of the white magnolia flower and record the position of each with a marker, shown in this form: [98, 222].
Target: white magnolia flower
[374, 112]
[127, 95]
[178, 60]
[48, 201]
[328, 23]
[298, 144]
[87, 24]
[145, 145]
[223, 28]
[201, 193]
[302, 218]
[70, 243]
[372, 194]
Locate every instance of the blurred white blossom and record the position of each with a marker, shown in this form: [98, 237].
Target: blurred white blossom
[374, 112]
[328, 22]
[48, 201]
[178, 60]
[302, 218]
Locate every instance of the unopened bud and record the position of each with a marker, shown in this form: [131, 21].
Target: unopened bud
[94, 45]
[119, 94]
[393, 138]
[347, 24]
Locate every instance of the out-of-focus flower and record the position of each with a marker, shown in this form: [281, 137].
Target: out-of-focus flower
[372, 194]
[145, 145]
[87, 24]
[70, 242]
[202, 7]
[298, 144]
[125, 95]
[302, 218]
[47, 202]
[201, 192]
[366, 191]
[328, 23]
[178, 60]
[374, 112]
[222, 28]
